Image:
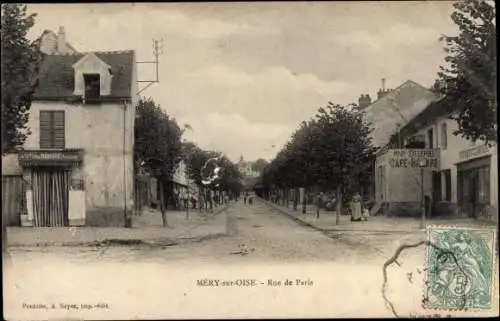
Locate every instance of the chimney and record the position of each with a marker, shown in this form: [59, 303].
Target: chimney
[61, 40]
[364, 101]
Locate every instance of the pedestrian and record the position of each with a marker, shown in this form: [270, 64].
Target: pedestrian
[250, 200]
[356, 214]
[245, 200]
[319, 199]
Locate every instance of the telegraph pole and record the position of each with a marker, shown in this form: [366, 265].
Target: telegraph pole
[157, 51]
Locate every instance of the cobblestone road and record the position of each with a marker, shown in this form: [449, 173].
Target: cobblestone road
[340, 273]
[256, 233]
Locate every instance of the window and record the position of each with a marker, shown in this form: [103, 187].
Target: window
[444, 136]
[92, 86]
[430, 138]
[52, 129]
[447, 184]
[416, 142]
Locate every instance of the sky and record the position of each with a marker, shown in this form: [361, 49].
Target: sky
[244, 75]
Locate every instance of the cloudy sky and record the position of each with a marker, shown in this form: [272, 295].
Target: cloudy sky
[244, 75]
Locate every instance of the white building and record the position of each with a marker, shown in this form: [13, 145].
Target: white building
[77, 162]
[465, 180]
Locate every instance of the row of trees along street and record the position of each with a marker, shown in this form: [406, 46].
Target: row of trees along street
[158, 150]
[333, 149]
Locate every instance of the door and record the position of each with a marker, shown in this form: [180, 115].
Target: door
[50, 197]
[436, 187]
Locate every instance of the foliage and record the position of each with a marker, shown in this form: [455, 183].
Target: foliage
[20, 62]
[259, 165]
[469, 80]
[195, 158]
[157, 140]
[333, 148]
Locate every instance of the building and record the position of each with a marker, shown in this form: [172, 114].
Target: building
[77, 162]
[465, 180]
[246, 169]
[392, 109]
[395, 108]
[182, 186]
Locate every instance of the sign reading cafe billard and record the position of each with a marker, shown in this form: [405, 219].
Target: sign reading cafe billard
[417, 158]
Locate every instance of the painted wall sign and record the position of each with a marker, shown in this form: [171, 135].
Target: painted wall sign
[473, 152]
[414, 158]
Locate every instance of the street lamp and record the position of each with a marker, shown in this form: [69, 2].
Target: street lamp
[422, 165]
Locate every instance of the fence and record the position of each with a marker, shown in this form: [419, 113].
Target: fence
[13, 199]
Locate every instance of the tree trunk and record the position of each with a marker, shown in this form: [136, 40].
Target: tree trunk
[287, 190]
[339, 204]
[318, 203]
[295, 198]
[304, 202]
[163, 206]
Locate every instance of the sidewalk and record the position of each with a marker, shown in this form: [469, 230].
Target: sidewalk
[374, 224]
[147, 229]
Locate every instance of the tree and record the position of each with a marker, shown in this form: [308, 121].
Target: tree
[259, 165]
[157, 147]
[469, 80]
[20, 62]
[333, 150]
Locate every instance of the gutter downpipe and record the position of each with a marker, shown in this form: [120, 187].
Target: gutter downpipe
[127, 222]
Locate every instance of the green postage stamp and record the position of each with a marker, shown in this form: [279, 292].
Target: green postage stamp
[460, 268]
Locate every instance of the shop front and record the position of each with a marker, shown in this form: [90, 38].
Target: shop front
[54, 188]
[477, 182]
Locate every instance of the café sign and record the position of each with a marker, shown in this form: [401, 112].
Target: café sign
[414, 158]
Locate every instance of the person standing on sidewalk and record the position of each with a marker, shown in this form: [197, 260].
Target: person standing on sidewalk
[318, 201]
[356, 214]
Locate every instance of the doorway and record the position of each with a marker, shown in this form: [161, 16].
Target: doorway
[50, 196]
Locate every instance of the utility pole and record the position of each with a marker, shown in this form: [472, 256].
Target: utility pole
[157, 51]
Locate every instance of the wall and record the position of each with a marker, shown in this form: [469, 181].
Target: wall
[10, 165]
[402, 182]
[450, 157]
[107, 166]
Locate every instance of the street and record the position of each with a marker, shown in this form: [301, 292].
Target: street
[257, 233]
[262, 244]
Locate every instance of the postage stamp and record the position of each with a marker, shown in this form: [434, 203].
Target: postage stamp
[460, 268]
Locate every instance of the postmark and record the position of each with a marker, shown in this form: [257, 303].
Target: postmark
[460, 268]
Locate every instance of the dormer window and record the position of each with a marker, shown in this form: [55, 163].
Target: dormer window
[92, 86]
[92, 78]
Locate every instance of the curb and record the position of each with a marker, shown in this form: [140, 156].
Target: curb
[159, 242]
[162, 241]
[297, 220]
[330, 230]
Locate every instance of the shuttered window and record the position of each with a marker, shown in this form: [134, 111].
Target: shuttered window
[52, 129]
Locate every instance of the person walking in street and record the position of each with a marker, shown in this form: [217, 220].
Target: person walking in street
[245, 200]
[250, 200]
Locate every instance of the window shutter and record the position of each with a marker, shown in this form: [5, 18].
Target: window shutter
[52, 129]
[58, 129]
[45, 129]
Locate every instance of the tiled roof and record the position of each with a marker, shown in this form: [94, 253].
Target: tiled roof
[56, 77]
[399, 106]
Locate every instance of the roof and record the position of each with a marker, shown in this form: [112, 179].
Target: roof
[56, 76]
[398, 107]
[437, 109]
